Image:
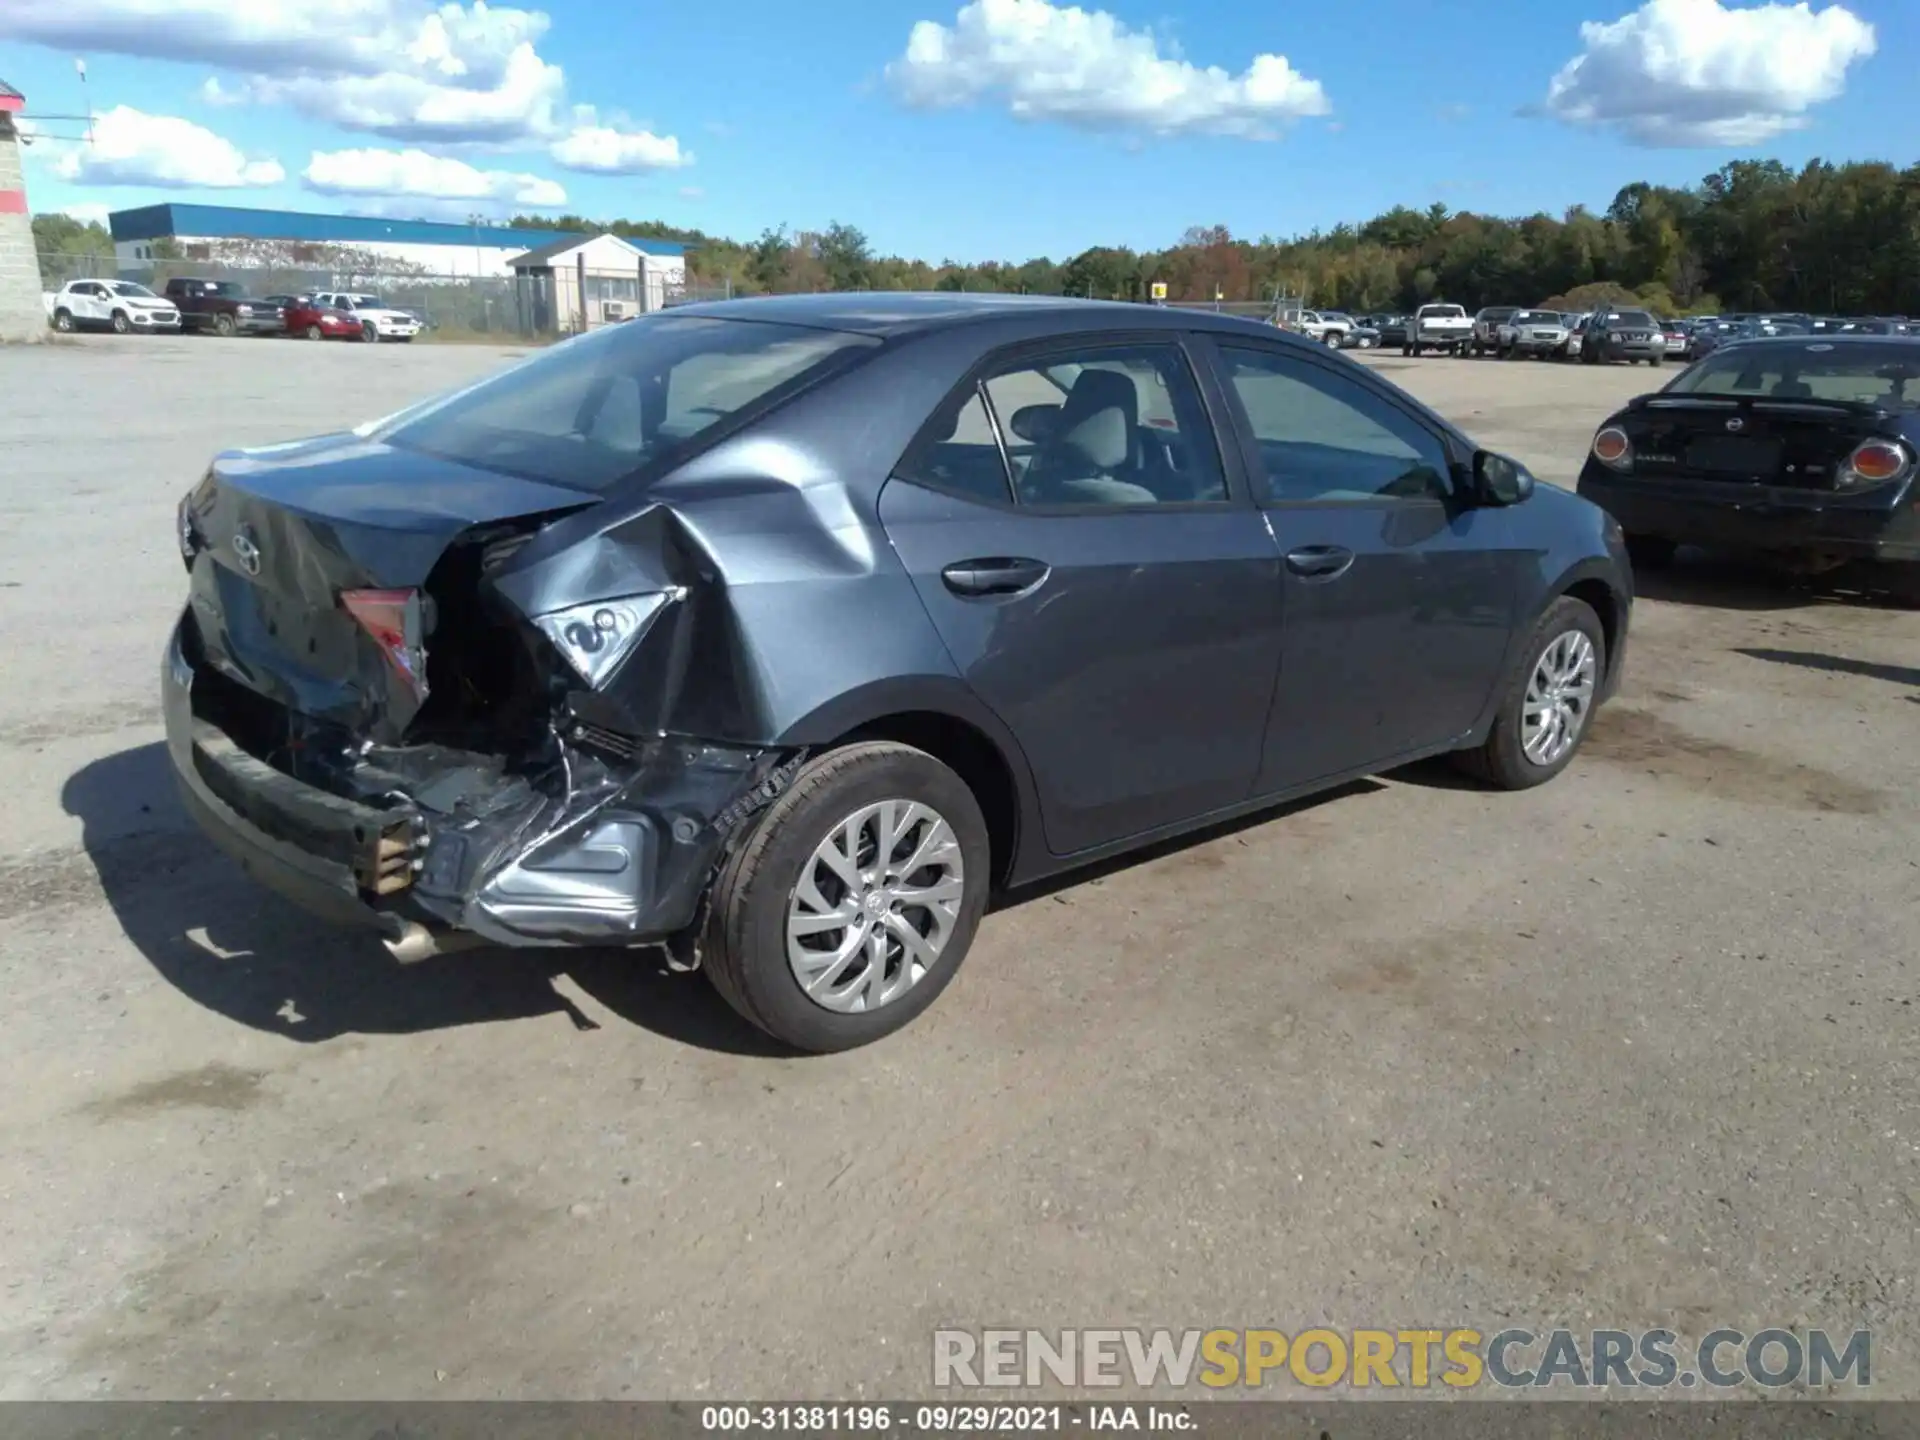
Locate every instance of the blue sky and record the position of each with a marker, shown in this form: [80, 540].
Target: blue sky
[994, 129]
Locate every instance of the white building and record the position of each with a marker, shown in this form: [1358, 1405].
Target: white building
[224, 235]
[593, 280]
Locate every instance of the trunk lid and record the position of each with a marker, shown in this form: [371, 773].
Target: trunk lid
[1748, 441]
[276, 535]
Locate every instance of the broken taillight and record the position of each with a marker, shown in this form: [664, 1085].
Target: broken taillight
[393, 619]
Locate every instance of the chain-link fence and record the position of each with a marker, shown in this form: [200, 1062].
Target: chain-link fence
[450, 306]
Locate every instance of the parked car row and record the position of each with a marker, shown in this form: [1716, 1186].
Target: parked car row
[224, 307]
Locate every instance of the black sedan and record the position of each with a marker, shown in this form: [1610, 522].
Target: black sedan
[782, 632]
[1800, 447]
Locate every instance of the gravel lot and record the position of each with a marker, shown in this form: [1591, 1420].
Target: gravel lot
[1634, 1049]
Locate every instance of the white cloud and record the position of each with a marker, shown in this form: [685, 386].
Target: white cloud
[133, 148]
[692, 192]
[1085, 68]
[598, 149]
[408, 70]
[520, 103]
[1695, 72]
[415, 175]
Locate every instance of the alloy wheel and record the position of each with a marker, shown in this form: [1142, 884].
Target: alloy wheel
[875, 906]
[1559, 697]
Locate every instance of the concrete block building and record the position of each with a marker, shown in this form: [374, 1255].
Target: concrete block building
[22, 315]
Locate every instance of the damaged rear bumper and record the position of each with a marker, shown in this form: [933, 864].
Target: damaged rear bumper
[594, 847]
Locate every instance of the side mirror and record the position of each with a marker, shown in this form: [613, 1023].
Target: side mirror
[1498, 480]
[1034, 423]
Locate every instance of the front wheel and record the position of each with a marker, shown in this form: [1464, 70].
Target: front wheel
[1331, 340]
[370, 333]
[121, 324]
[223, 326]
[1363, 343]
[846, 910]
[1549, 701]
[63, 321]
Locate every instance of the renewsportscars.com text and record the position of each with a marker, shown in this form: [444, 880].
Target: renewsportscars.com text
[1414, 1359]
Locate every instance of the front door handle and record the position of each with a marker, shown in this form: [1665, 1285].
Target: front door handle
[997, 575]
[1320, 562]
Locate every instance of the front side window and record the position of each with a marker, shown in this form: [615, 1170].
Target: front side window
[591, 411]
[1109, 426]
[1324, 438]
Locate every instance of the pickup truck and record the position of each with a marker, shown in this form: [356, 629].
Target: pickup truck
[1486, 328]
[122, 306]
[223, 307]
[1531, 332]
[1326, 326]
[378, 320]
[1438, 327]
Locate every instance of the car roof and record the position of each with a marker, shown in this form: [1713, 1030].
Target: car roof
[895, 314]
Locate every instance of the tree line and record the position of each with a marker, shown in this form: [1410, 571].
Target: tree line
[1754, 235]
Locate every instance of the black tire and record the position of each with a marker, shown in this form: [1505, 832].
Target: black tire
[1500, 761]
[121, 324]
[370, 333]
[1650, 552]
[744, 949]
[63, 321]
[223, 326]
[1331, 339]
[314, 332]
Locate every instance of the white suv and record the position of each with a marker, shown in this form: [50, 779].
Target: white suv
[378, 320]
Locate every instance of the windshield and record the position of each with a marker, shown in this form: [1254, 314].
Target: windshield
[591, 411]
[127, 287]
[1866, 373]
[1630, 317]
[1536, 317]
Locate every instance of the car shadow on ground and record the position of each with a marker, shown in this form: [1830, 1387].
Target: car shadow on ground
[1724, 582]
[1837, 665]
[241, 951]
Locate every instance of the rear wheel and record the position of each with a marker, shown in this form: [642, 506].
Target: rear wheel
[847, 909]
[1650, 552]
[1549, 701]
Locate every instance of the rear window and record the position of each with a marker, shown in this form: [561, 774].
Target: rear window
[1887, 375]
[591, 411]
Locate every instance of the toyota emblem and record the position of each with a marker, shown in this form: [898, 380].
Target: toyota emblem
[1736, 424]
[246, 551]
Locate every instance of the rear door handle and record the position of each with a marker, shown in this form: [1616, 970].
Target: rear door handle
[1320, 562]
[993, 576]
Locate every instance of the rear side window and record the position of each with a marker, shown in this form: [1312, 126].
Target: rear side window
[591, 411]
[959, 453]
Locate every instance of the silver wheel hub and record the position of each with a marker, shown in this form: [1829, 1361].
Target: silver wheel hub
[1559, 697]
[875, 906]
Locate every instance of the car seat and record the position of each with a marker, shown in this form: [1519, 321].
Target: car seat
[1093, 455]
